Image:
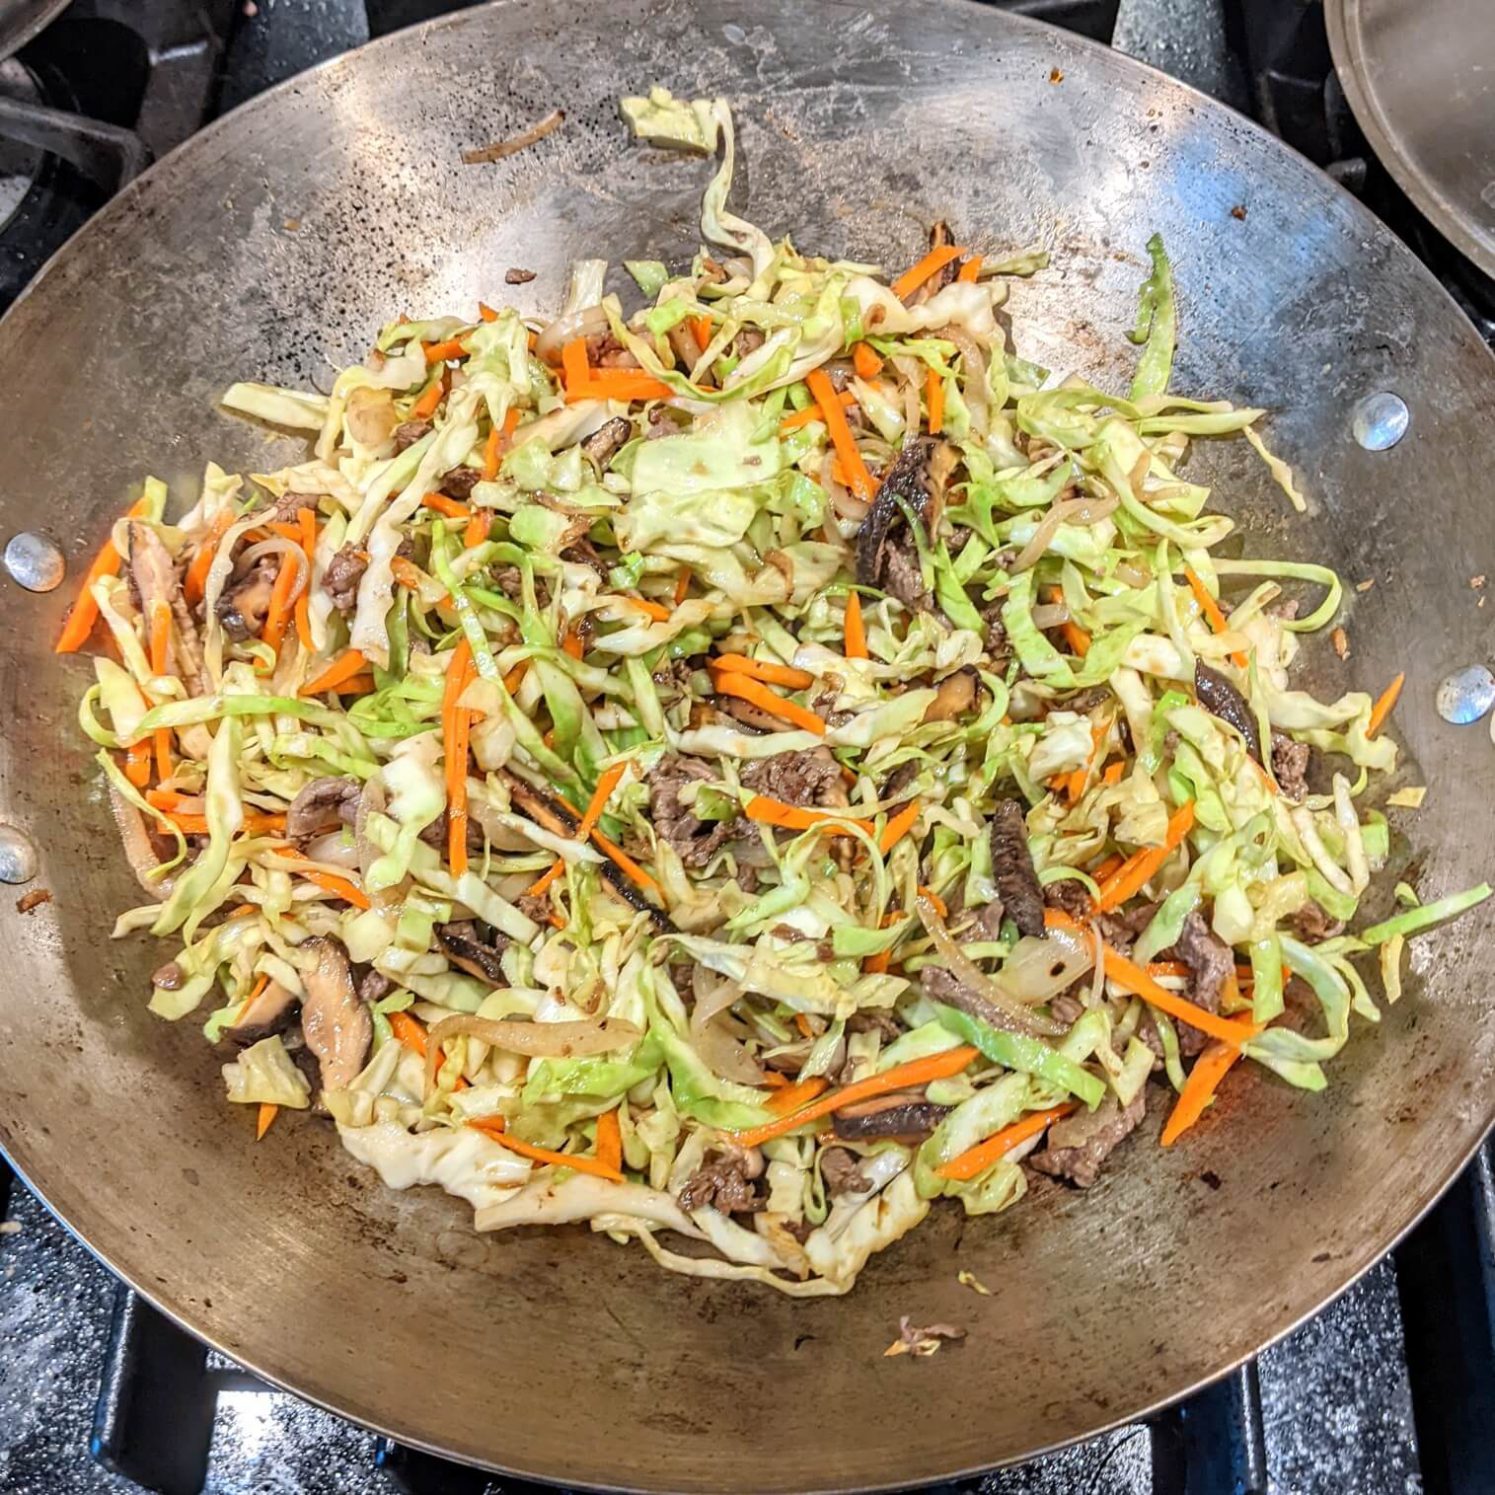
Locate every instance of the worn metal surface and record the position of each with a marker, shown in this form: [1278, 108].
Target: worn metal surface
[20, 20]
[1421, 80]
[273, 246]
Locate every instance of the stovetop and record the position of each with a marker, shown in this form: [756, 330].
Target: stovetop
[1389, 1391]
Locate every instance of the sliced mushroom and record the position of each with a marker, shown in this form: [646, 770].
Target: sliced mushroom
[914, 484]
[154, 578]
[902, 1117]
[607, 441]
[244, 603]
[321, 806]
[371, 419]
[268, 1013]
[467, 952]
[336, 1025]
[1220, 698]
[955, 697]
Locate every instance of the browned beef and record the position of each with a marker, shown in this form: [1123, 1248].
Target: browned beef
[726, 1182]
[1080, 1143]
[412, 431]
[1212, 964]
[514, 276]
[808, 778]
[322, 806]
[374, 986]
[1069, 895]
[1012, 868]
[695, 841]
[460, 481]
[1314, 925]
[841, 1171]
[340, 579]
[1290, 760]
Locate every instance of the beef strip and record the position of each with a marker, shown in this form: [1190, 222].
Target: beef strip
[1211, 964]
[459, 482]
[1068, 1007]
[1121, 928]
[322, 806]
[154, 577]
[1068, 895]
[807, 778]
[515, 276]
[696, 841]
[940, 986]
[725, 1182]
[1290, 760]
[841, 1172]
[344, 572]
[412, 431]
[244, 603]
[1012, 867]
[1314, 925]
[875, 1020]
[374, 987]
[1079, 1144]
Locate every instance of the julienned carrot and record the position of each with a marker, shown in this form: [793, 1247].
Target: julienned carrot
[1138, 870]
[1107, 867]
[342, 669]
[934, 400]
[85, 611]
[498, 442]
[329, 882]
[610, 1141]
[138, 763]
[656, 610]
[406, 573]
[486, 312]
[1382, 709]
[901, 1077]
[855, 645]
[1131, 977]
[1204, 1079]
[425, 407]
[196, 578]
[766, 811]
[1075, 636]
[408, 1031]
[606, 783]
[977, 1159]
[931, 264]
[160, 642]
[268, 1111]
[898, 827]
[682, 587]
[865, 361]
[572, 645]
[446, 506]
[700, 330]
[306, 523]
[575, 371]
[939, 903]
[728, 683]
[493, 1127]
[544, 880]
[811, 413]
[858, 479]
[450, 350]
[255, 823]
[454, 721]
[971, 270]
[611, 384]
[792, 1097]
[1211, 610]
[279, 612]
[359, 685]
[1113, 774]
[762, 669]
[626, 863]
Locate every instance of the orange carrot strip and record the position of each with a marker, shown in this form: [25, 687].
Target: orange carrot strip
[901, 1077]
[447, 506]
[792, 1097]
[700, 330]
[572, 645]
[409, 1031]
[626, 863]
[1211, 610]
[160, 642]
[936, 900]
[931, 264]
[486, 312]
[138, 764]
[255, 823]
[934, 398]
[803, 1024]
[268, 1111]
[406, 573]
[610, 1141]
[858, 479]
[865, 361]
[1175, 968]
[682, 587]
[339, 887]
[1382, 709]
[766, 811]
[342, 669]
[306, 519]
[762, 669]
[490, 453]
[855, 645]
[728, 683]
[606, 783]
[515, 678]
[978, 1159]
[898, 827]
[493, 1126]
[202, 562]
[1107, 867]
[454, 741]
[278, 613]
[545, 879]
[85, 611]
[626, 384]
[359, 685]
[656, 610]
[1204, 1079]
[450, 350]
[971, 270]
[1113, 774]
[425, 407]
[1128, 975]
[811, 413]
[1139, 869]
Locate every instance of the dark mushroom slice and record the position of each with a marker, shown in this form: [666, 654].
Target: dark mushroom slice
[245, 602]
[956, 695]
[267, 1014]
[913, 485]
[321, 806]
[336, 1025]
[1220, 698]
[607, 441]
[1012, 868]
[460, 944]
[901, 1118]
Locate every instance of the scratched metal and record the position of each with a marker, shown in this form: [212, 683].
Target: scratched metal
[274, 244]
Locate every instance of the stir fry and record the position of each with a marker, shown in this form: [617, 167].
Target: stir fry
[736, 770]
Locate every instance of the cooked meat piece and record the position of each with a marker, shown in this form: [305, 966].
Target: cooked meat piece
[903, 578]
[514, 276]
[607, 441]
[462, 946]
[997, 645]
[411, 432]
[243, 604]
[899, 780]
[322, 806]
[875, 1020]
[841, 1173]
[337, 1026]
[1212, 964]
[893, 1116]
[340, 579]
[459, 482]
[270, 1012]
[1069, 895]
[1085, 700]
[1290, 760]
[1080, 1143]
[726, 1182]
[696, 841]
[1012, 867]
[1120, 929]
[749, 340]
[1067, 1007]
[810, 778]
[987, 923]
[957, 695]
[510, 581]
[749, 715]
[914, 484]
[374, 987]
[1314, 925]
[940, 986]
[922, 1339]
[1220, 698]
[154, 578]
[534, 906]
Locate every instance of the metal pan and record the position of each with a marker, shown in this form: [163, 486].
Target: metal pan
[20, 20]
[275, 243]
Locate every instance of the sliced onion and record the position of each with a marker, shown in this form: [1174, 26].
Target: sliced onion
[139, 852]
[721, 1052]
[590, 321]
[536, 1040]
[1098, 971]
[1133, 573]
[910, 375]
[336, 850]
[974, 362]
[1050, 615]
[843, 501]
[1066, 511]
[1003, 1010]
[1039, 969]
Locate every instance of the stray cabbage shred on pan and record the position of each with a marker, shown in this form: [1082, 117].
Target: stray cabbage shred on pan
[737, 771]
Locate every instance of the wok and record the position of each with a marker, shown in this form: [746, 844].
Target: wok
[274, 244]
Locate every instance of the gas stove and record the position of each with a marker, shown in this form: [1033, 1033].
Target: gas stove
[1389, 1391]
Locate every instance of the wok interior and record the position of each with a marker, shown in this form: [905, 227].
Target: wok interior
[557, 1353]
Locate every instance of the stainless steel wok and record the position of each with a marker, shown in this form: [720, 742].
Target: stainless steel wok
[272, 246]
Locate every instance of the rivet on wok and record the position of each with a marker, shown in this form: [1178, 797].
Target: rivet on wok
[17, 856]
[1380, 421]
[34, 562]
[1466, 695]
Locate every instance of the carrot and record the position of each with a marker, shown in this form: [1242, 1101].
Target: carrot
[610, 1141]
[855, 645]
[342, 669]
[682, 587]
[865, 361]
[493, 1127]
[359, 685]
[931, 264]
[447, 506]
[762, 669]
[572, 645]
[728, 683]
[934, 399]
[935, 899]
[449, 351]
[408, 1031]
[171, 799]
[339, 887]
[1140, 868]
[1113, 774]
[85, 611]
[454, 722]
[498, 442]
[486, 312]
[700, 330]
[138, 764]
[898, 827]
[277, 615]
[803, 1024]
[306, 520]
[268, 1111]
[1107, 867]
[1175, 968]
[255, 823]
[626, 863]
[1128, 975]
[477, 528]
[901, 1077]
[1382, 709]
[792, 1097]
[858, 479]
[515, 678]
[876, 965]
[160, 642]
[766, 811]
[1075, 636]
[1211, 610]
[656, 610]
[811, 413]
[606, 783]
[584, 383]
[196, 578]
[545, 879]
[1204, 1079]
[430, 397]
[971, 270]
[978, 1159]
[406, 573]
